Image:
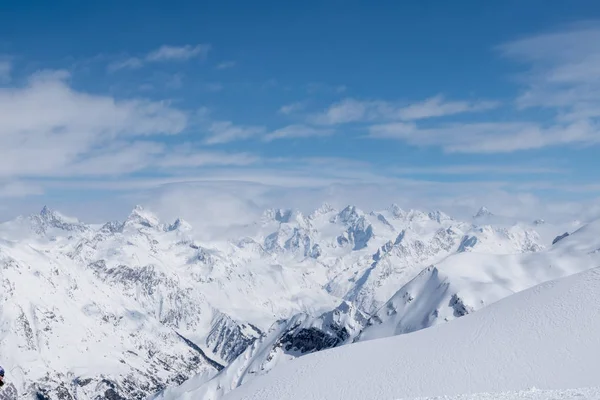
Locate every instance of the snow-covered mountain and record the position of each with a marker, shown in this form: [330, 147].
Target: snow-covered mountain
[128, 308]
[464, 283]
[285, 341]
[545, 337]
[458, 285]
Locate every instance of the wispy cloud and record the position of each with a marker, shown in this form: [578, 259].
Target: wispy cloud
[347, 110]
[316, 87]
[55, 125]
[353, 110]
[437, 106]
[297, 131]
[307, 188]
[564, 70]
[178, 53]
[491, 137]
[226, 131]
[478, 169]
[64, 132]
[164, 53]
[19, 189]
[226, 65]
[129, 63]
[213, 87]
[189, 157]
[5, 71]
[563, 76]
[175, 81]
[292, 108]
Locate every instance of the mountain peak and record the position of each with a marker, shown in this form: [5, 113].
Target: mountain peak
[439, 216]
[140, 216]
[349, 215]
[48, 219]
[396, 211]
[325, 208]
[180, 224]
[483, 212]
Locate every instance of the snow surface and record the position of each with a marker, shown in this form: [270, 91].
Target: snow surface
[461, 284]
[286, 340]
[133, 306]
[533, 394]
[467, 282]
[545, 337]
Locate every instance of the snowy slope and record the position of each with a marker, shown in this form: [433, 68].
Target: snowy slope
[531, 394]
[285, 341]
[544, 337]
[365, 257]
[432, 297]
[62, 331]
[467, 282]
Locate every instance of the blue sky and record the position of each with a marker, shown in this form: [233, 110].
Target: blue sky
[436, 104]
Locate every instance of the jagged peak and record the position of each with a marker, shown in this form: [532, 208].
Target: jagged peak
[439, 216]
[416, 215]
[325, 208]
[483, 212]
[396, 211]
[349, 214]
[140, 216]
[112, 227]
[49, 214]
[48, 217]
[180, 224]
[282, 215]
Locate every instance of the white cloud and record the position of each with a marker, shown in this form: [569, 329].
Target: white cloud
[292, 108]
[225, 132]
[48, 129]
[476, 169]
[116, 159]
[130, 63]
[19, 189]
[226, 65]
[162, 54]
[297, 131]
[186, 156]
[178, 53]
[491, 137]
[345, 111]
[353, 110]
[564, 69]
[5, 71]
[219, 201]
[437, 107]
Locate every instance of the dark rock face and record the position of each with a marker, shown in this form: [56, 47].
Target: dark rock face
[313, 339]
[560, 237]
[227, 340]
[460, 309]
[468, 242]
[283, 216]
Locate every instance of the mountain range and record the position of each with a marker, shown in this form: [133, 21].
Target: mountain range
[132, 309]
